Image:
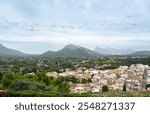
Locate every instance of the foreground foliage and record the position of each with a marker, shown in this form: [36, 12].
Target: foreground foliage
[29, 85]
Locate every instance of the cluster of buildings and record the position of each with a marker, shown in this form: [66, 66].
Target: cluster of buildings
[134, 78]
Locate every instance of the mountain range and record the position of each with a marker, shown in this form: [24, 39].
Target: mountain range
[113, 51]
[142, 53]
[7, 52]
[72, 50]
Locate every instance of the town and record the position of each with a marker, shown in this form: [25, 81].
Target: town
[133, 78]
[74, 75]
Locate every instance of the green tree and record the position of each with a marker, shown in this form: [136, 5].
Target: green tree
[46, 80]
[84, 81]
[124, 87]
[58, 81]
[34, 70]
[8, 78]
[21, 85]
[89, 80]
[1, 87]
[74, 80]
[62, 85]
[147, 86]
[64, 88]
[1, 76]
[104, 89]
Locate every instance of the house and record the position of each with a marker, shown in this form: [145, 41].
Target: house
[123, 67]
[77, 88]
[133, 84]
[80, 88]
[111, 81]
[95, 89]
[98, 77]
[146, 75]
[115, 87]
[52, 74]
[113, 75]
[87, 87]
[95, 72]
[124, 75]
[103, 81]
[119, 84]
[148, 89]
[68, 73]
[87, 75]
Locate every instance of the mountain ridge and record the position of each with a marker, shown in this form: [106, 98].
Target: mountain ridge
[8, 52]
[4, 51]
[72, 50]
[113, 51]
[142, 53]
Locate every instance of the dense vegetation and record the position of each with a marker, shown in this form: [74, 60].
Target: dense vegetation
[29, 65]
[34, 83]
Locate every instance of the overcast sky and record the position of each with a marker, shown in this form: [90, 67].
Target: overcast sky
[35, 26]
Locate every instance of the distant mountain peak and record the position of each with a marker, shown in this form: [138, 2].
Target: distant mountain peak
[71, 46]
[72, 50]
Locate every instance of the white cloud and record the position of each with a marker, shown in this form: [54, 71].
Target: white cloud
[85, 22]
[88, 3]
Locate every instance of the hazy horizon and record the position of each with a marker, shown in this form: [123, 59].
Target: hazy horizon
[36, 26]
[124, 50]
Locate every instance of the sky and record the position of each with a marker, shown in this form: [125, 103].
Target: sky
[36, 26]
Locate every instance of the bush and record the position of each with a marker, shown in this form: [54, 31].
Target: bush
[124, 87]
[7, 79]
[1, 87]
[104, 89]
[1, 76]
[27, 85]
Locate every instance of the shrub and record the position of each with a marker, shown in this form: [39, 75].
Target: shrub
[27, 85]
[1, 87]
[104, 89]
[7, 79]
[124, 87]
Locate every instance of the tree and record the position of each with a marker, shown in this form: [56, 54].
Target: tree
[34, 70]
[124, 87]
[8, 78]
[147, 86]
[74, 80]
[62, 85]
[84, 81]
[21, 85]
[1, 76]
[89, 80]
[104, 89]
[1, 87]
[64, 88]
